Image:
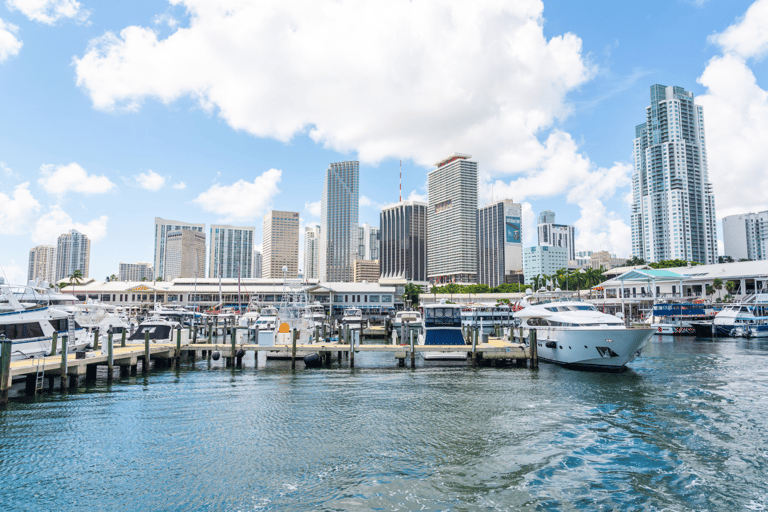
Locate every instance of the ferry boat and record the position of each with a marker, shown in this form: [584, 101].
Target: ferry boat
[677, 319]
[442, 326]
[573, 333]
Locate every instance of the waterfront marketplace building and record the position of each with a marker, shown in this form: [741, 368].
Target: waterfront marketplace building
[209, 293]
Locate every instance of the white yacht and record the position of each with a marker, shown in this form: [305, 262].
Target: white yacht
[104, 317]
[442, 326]
[37, 294]
[353, 317]
[31, 330]
[575, 333]
[161, 330]
[676, 319]
[486, 316]
[267, 319]
[413, 318]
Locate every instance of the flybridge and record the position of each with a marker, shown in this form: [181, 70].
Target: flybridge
[456, 156]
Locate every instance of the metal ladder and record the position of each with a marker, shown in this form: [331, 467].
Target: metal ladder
[40, 379]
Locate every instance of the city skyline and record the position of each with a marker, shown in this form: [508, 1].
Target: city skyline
[93, 151]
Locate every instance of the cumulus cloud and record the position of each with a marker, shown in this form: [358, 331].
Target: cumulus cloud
[57, 221]
[9, 45]
[313, 208]
[13, 272]
[415, 196]
[49, 11]
[18, 211]
[180, 185]
[60, 179]
[150, 180]
[7, 171]
[243, 200]
[736, 115]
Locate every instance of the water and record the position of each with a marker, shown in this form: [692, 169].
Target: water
[683, 429]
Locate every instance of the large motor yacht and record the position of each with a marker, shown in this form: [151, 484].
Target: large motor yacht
[575, 333]
[442, 326]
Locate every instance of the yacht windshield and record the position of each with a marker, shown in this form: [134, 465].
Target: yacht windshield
[442, 317]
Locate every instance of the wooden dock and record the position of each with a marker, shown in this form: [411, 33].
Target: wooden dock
[68, 370]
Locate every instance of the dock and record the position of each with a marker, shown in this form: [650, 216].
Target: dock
[67, 371]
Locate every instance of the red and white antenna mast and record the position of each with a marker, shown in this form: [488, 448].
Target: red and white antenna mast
[401, 181]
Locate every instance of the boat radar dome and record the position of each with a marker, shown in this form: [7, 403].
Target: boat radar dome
[558, 290]
[528, 291]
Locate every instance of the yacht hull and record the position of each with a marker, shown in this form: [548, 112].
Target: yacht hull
[599, 349]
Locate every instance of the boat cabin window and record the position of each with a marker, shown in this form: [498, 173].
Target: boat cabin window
[442, 317]
[21, 331]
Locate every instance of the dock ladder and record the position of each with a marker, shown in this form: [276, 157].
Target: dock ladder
[40, 379]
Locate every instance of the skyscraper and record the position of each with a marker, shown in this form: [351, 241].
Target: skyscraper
[162, 228]
[139, 271]
[256, 264]
[452, 221]
[673, 210]
[73, 252]
[184, 254]
[280, 245]
[404, 242]
[339, 210]
[42, 263]
[368, 242]
[745, 236]
[231, 251]
[499, 242]
[311, 252]
[556, 235]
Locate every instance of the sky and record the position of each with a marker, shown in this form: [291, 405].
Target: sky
[217, 111]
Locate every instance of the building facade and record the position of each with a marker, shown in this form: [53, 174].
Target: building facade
[452, 221]
[673, 210]
[257, 264]
[543, 260]
[499, 242]
[745, 236]
[366, 271]
[184, 254]
[368, 242]
[162, 228]
[556, 235]
[339, 211]
[606, 260]
[311, 252]
[404, 243]
[73, 252]
[231, 251]
[42, 264]
[139, 271]
[280, 246]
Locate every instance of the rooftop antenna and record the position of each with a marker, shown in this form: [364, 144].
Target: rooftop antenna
[401, 182]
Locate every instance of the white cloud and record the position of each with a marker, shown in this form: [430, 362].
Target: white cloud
[365, 201]
[49, 11]
[7, 171]
[530, 232]
[59, 179]
[57, 221]
[313, 209]
[13, 272]
[150, 180]
[180, 185]
[241, 201]
[9, 45]
[17, 212]
[736, 116]
[415, 196]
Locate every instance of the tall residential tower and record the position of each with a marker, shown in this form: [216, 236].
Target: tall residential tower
[42, 264]
[339, 210]
[162, 228]
[499, 242]
[311, 252]
[673, 210]
[231, 251]
[73, 252]
[280, 244]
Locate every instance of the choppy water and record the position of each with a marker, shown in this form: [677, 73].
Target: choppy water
[686, 428]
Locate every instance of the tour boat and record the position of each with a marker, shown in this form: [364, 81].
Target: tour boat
[677, 319]
[574, 333]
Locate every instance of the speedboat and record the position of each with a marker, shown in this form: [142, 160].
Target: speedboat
[267, 319]
[759, 329]
[161, 330]
[575, 334]
[353, 317]
[442, 326]
[31, 330]
[413, 318]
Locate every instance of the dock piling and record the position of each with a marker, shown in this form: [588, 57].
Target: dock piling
[145, 366]
[122, 338]
[351, 347]
[413, 351]
[293, 349]
[96, 339]
[474, 350]
[178, 346]
[110, 358]
[5, 368]
[534, 349]
[54, 343]
[64, 350]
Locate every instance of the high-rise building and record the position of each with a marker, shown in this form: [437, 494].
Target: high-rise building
[339, 210]
[366, 271]
[673, 210]
[42, 264]
[404, 243]
[280, 245]
[499, 242]
[311, 252]
[162, 228]
[257, 264]
[139, 271]
[745, 236]
[231, 251]
[73, 252]
[184, 254]
[452, 221]
[543, 260]
[368, 242]
[556, 235]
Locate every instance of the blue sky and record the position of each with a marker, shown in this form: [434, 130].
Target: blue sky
[217, 111]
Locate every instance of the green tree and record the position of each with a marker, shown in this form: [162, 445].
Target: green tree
[536, 281]
[411, 293]
[75, 277]
[113, 277]
[730, 286]
[634, 261]
[717, 284]
[673, 263]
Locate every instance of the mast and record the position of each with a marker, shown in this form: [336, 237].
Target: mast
[401, 182]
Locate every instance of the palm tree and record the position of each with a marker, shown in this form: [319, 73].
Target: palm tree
[113, 277]
[717, 284]
[730, 286]
[75, 277]
[535, 280]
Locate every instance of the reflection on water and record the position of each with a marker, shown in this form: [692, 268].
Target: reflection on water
[683, 429]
